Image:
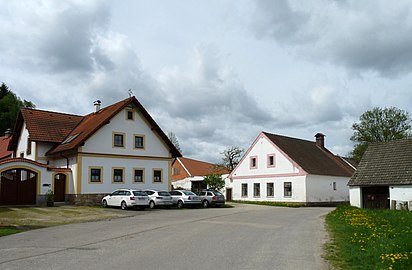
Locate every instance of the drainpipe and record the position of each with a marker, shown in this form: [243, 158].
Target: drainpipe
[67, 159]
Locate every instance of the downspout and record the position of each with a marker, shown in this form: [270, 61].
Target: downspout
[67, 159]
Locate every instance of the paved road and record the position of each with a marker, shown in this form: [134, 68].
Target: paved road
[244, 237]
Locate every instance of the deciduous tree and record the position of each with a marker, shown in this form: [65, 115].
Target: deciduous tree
[231, 157]
[214, 181]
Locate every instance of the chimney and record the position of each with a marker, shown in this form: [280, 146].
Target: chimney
[97, 104]
[8, 133]
[320, 140]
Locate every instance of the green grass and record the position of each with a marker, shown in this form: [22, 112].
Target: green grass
[7, 230]
[369, 238]
[283, 204]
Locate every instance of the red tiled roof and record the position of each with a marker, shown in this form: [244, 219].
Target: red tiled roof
[312, 158]
[10, 160]
[201, 168]
[4, 143]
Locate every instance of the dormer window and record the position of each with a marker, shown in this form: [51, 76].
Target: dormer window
[253, 162]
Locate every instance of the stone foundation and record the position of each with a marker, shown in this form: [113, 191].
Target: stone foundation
[86, 199]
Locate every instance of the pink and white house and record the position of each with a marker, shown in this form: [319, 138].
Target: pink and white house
[283, 169]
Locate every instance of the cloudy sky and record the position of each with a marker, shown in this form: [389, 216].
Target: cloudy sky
[216, 73]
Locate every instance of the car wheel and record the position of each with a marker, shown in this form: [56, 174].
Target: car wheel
[179, 204]
[123, 205]
[152, 204]
[205, 203]
[104, 203]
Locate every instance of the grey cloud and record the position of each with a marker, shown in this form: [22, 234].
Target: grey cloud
[361, 36]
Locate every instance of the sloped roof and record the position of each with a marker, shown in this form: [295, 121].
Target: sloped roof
[4, 143]
[201, 168]
[312, 158]
[70, 131]
[385, 163]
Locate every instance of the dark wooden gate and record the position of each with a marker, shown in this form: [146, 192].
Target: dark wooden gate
[18, 187]
[228, 194]
[59, 187]
[375, 197]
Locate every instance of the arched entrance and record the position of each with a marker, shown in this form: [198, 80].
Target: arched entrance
[59, 187]
[18, 186]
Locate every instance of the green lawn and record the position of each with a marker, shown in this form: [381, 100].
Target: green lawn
[369, 238]
[18, 219]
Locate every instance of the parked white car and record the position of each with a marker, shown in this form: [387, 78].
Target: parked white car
[183, 198]
[159, 198]
[126, 198]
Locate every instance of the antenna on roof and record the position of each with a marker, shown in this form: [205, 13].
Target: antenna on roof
[130, 93]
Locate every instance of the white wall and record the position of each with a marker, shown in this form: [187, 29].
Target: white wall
[401, 193]
[22, 144]
[319, 188]
[128, 164]
[298, 189]
[101, 141]
[355, 196]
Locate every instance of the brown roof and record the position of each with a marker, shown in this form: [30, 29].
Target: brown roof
[4, 143]
[201, 168]
[312, 158]
[385, 163]
[70, 131]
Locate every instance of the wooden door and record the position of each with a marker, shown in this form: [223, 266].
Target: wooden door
[59, 187]
[228, 194]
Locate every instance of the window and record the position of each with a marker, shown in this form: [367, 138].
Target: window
[139, 175]
[118, 140]
[256, 190]
[253, 162]
[334, 185]
[139, 141]
[157, 175]
[129, 115]
[287, 189]
[118, 175]
[95, 175]
[28, 150]
[269, 190]
[271, 162]
[244, 190]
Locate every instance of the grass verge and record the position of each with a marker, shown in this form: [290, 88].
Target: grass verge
[369, 238]
[283, 204]
[18, 219]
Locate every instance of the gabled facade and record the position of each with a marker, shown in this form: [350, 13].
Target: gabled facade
[283, 169]
[384, 176]
[189, 173]
[117, 146]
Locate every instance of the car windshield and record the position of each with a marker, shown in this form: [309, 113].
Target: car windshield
[164, 193]
[188, 192]
[218, 193]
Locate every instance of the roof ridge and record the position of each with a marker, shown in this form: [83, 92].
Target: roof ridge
[284, 136]
[46, 111]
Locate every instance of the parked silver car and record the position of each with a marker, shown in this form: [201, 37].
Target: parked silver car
[182, 198]
[159, 198]
[212, 198]
[126, 198]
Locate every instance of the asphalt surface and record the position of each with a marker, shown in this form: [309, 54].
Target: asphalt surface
[244, 237]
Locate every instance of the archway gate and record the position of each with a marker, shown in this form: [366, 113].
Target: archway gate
[18, 186]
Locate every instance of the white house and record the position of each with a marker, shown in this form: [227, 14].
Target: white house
[188, 173]
[81, 158]
[384, 176]
[283, 169]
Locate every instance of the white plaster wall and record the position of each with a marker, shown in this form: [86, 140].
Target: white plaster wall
[22, 144]
[62, 163]
[355, 196]
[401, 193]
[298, 189]
[128, 164]
[261, 149]
[319, 188]
[185, 183]
[42, 149]
[101, 141]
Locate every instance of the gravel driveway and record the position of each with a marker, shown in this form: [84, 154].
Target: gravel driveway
[244, 237]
